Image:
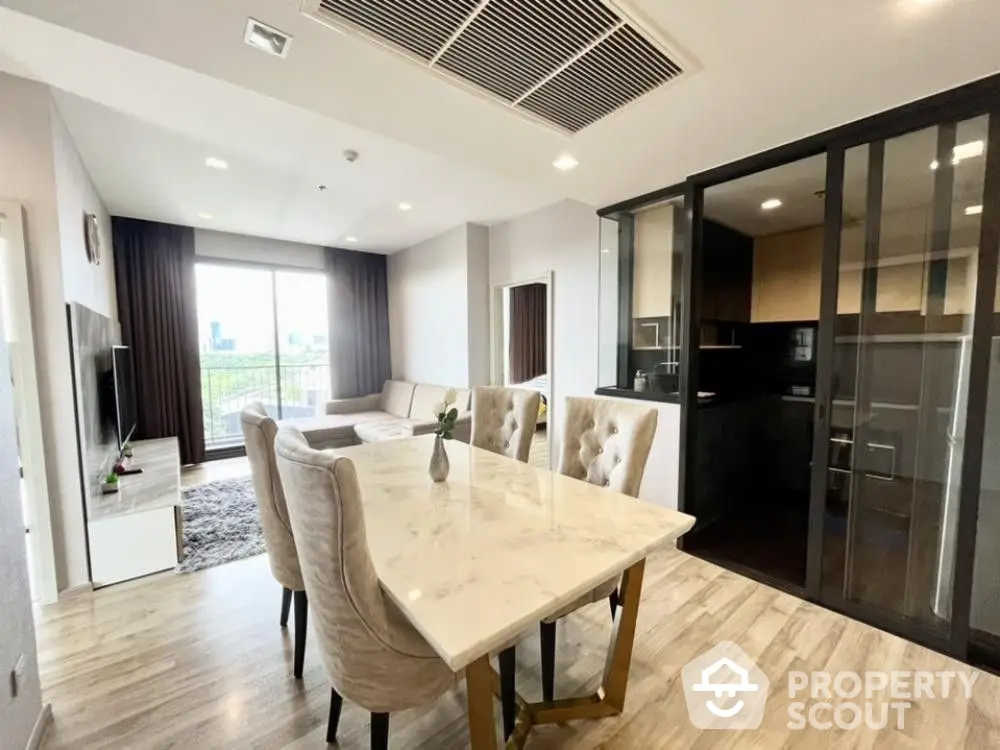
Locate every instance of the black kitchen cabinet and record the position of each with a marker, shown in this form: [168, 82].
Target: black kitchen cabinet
[727, 275]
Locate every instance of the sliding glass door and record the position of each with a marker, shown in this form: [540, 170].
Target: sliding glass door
[303, 342]
[898, 383]
[263, 338]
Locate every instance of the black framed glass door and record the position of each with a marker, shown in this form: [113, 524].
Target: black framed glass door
[904, 351]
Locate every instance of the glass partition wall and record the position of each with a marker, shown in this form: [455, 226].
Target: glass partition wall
[640, 300]
[827, 316]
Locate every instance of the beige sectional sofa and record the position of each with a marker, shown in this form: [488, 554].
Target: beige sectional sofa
[401, 410]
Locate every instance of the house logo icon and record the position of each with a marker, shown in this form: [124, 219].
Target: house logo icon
[725, 689]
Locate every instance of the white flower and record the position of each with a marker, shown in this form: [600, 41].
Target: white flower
[450, 397]
[440, 408]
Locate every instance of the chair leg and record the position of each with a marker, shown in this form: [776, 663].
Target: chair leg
[614, 601]
[508, 690]
[380, 731]
[336, 704]
[548, 637]
[286, 605]
[301, 612]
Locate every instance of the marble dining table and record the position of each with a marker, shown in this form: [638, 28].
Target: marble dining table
[479, 559]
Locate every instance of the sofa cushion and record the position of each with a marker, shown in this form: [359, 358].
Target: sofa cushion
[334, 428]
[396, 398]
[426, 396]
[385, 429]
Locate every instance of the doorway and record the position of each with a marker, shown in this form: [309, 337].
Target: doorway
[762, 245]
[521, 351]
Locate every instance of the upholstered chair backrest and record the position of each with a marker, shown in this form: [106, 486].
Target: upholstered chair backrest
[606, 442]
[503, 420]
[258, 432]
[373, 655]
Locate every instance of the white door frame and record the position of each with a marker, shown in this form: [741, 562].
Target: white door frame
[15, 297]
[497, 353]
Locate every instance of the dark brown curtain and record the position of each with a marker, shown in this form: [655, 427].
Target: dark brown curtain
[154, 274]
[527, 332]
[358, 306]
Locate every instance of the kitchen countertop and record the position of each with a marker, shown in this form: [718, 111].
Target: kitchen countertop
[663, 397]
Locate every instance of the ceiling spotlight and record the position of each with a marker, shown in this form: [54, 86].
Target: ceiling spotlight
[565, 163]
[973, 210]
[968, 150]
[770, 204]
[350, 239]
[405, 206]
[963, 151]
[267, 38]
[204, 216]
[216, 163]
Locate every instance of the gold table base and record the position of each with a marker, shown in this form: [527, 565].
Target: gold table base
[482, 682]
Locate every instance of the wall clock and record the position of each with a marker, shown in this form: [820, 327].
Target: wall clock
[92, 238]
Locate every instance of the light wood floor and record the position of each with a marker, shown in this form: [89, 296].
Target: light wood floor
[198, 661]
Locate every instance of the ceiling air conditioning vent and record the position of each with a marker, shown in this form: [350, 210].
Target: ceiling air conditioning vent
[567, 63]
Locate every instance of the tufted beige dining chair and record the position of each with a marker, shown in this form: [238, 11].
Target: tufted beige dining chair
[372, 655]
[606, 443]
[504, 419]
[258, 433]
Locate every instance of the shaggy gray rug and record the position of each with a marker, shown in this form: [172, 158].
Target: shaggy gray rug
[221, 524]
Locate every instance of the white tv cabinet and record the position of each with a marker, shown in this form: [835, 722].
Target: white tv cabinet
[138, 530]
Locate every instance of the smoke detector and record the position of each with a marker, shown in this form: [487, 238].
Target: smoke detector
[267, 38]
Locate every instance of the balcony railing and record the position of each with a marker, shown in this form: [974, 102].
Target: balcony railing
[227, 390]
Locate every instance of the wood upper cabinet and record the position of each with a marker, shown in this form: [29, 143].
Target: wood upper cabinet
[652, 269]
[787, 270]
[787, 273]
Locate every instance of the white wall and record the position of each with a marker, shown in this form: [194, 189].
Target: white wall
[41, 169]
[90, 285]
[563, 238]
[478, 278]
[17, 636]
[226, 246]
[429, 321]
[26, 177]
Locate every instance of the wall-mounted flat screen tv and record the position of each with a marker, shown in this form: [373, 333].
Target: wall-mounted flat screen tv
[124, 393]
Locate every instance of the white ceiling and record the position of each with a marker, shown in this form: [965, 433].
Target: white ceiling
[155, 86]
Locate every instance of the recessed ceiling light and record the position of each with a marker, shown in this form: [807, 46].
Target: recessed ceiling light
[350, 239]
[973, 210]
[963, 151]
[770, 204]
[267, 38]
[405, 206]
[204, 216]
[216, 163]
[968, 150]
[565, 163]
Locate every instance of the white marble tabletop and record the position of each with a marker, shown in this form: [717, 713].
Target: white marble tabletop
[475, 561]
